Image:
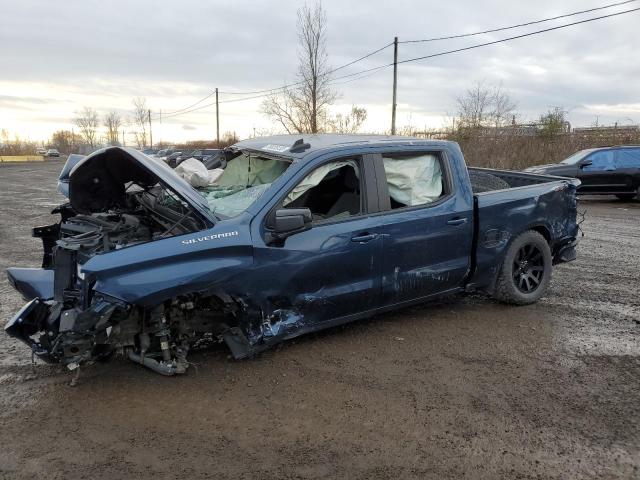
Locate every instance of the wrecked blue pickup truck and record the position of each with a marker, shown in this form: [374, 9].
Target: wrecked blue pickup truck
[296, 235]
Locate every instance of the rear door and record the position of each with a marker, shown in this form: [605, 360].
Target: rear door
[627, 161]
[427, 225]
[599, 174]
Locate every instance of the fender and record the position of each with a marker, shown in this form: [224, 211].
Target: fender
[151, 273]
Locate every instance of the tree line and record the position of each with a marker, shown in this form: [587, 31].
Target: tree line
[95, 129]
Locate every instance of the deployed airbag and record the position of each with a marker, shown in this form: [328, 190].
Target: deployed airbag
[251, 171]
[414, 181]
[194, 172]
[315, 177]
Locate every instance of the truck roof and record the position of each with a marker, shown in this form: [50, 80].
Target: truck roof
[300, 145]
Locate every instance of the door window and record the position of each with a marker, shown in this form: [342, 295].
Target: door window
[628, 158]
[333, 191]
[600, 161]
[414, 179]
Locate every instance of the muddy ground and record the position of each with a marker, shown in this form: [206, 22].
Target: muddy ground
[462, 388]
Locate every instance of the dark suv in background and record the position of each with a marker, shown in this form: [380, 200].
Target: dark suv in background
[602, 171]
[199, 154]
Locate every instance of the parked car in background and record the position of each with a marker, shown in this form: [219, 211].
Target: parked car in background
[41, 151]
[52, 152]
[150, 151]
[171, 159]
[198, 154]
[602, 171]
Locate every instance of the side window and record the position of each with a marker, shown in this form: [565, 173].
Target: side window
[628, 158]
[600, 161]
[332, 191]
[414, 179]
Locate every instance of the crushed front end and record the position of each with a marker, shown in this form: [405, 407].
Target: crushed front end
[117, 204]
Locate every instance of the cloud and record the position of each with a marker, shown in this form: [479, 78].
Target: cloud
[177, 54]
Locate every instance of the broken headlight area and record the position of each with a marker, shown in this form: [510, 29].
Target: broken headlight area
[66, 335]
[158, 338]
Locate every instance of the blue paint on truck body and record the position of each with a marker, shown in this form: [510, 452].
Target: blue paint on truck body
[336, 271]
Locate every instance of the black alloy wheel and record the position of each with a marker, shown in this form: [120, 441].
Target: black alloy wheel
[528, 268]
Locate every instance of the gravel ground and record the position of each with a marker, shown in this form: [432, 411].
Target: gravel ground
[460, 388]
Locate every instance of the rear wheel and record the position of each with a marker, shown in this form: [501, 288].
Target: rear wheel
[485, 182]
[627, 197]
[526, 270]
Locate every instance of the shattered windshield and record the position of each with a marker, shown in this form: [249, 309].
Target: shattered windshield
[243, 181]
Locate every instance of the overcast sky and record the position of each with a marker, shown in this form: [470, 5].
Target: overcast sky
[56, 57]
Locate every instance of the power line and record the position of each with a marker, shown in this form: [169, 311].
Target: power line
[332, 82]
[537, 32]
[439, 54]
[193, 105]
[502, 40]
[324, 74]
[273, 90]
[534, 22]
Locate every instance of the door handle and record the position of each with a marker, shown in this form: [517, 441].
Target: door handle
[364, 238]
[457, 221]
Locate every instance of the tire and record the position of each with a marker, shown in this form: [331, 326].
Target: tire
[485, 182]
[526, 270]
[627, 197]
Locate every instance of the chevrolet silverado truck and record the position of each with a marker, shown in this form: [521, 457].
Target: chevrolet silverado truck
[296, 235]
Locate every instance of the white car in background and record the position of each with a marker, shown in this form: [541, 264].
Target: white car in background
[52, 152]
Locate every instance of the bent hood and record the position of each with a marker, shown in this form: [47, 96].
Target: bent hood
[63, 179]
[98, 182]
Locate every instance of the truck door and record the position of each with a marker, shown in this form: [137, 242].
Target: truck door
[598, 173]
[627, 161]
[427, 226]
[333, 269]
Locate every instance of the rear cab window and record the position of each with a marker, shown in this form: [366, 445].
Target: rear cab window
[415, 179]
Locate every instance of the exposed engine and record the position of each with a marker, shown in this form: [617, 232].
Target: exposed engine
[118, 198]
[79, 325]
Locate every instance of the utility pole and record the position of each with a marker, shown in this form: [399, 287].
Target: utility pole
[395, 85]
[123, 144]
[217, 120]
[150, 134]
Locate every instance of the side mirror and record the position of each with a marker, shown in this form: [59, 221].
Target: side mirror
[585, 163]
[288, 221]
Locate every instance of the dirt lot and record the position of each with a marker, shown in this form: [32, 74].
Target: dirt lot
[463, 388]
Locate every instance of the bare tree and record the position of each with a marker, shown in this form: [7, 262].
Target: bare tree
[482, 106]
[65, 141]
[502, 107]
[140, 118]
[350, 122]
[87, 121]
[113, 122]
[302, 108]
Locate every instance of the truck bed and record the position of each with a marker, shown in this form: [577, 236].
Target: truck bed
[544, 203]
[517, 179]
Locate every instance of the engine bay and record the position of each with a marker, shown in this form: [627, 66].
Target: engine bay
[150, 214]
